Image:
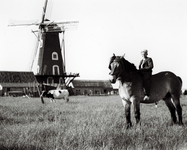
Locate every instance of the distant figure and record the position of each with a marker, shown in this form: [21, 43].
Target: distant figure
[146, 66]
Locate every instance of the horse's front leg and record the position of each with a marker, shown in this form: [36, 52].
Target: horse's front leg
[127, 105]
[136, 104]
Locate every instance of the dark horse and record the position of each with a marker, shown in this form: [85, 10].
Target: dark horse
[164, 85]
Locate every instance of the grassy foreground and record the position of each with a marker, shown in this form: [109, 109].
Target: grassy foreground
[86, 123]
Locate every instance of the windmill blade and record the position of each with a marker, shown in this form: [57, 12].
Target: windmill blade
[39, 34]
[44, 11]
[23, 24]
[13, 22]
[61, 22]
[34, 55]
[36, 22]
[59, 26]
[63, 49]
[68, 25]
[38, 41]
[64, 23]
[29, 22]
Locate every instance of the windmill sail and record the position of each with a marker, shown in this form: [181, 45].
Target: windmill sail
[35, 53]
[13, 22]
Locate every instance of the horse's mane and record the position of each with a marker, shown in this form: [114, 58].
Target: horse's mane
[128, 66]
[111, 60]
[126, 69]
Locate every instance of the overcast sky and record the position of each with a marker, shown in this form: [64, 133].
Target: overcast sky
[105, 27]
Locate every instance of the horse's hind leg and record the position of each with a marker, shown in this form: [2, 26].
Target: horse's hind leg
[176, 102]
[171, 108]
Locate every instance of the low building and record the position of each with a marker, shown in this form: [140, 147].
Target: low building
[18, 83]
[91, 87]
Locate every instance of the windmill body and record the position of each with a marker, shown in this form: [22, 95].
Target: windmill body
[50, 60]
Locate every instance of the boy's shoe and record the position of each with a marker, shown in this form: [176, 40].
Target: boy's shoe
[146, 98]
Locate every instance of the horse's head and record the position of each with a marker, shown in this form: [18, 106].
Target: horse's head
[116, 67]
[120, 68]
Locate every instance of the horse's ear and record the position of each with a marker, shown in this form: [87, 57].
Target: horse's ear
[123, 56]
[114, 54]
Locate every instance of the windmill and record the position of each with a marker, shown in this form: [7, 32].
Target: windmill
[51, 66]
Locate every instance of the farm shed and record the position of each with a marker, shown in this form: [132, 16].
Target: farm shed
[91, 87]
[18, 83]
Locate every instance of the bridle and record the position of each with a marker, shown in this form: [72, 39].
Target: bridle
[116, 68]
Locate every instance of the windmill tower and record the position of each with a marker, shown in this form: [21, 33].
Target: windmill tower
[51, 66]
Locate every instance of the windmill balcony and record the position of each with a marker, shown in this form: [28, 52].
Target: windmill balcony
[70, 74]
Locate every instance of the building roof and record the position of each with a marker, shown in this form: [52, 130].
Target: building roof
[91, 83]
[17, 79]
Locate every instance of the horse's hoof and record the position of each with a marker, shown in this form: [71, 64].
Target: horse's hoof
[181, 124]
[138, 127]
[129, 125]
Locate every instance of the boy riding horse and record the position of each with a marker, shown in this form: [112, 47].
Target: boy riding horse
[145, 67]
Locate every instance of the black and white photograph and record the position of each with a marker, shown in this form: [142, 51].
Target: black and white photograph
[93, 74]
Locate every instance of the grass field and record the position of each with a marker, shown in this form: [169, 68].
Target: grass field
[86, 123]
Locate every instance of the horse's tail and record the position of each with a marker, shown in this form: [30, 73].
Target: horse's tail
[179, 79]
[180, 82]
